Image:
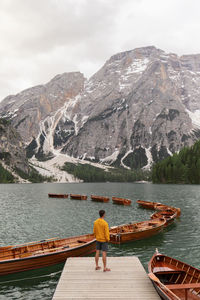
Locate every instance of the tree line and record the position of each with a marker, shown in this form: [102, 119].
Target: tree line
[5, 176]
[33, 176]
[89, 173]
[182, 167]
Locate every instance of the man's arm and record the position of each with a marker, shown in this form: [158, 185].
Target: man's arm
[107, 233]
[94, 230]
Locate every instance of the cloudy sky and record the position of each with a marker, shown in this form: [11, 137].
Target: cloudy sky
[42, 38]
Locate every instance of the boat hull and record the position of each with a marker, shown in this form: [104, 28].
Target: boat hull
[124, 237]
[174, 279]
[161, 293]
[99, 198]
[58, 195]
[146, 204]
[43, 260]
[78, 197]
[121, 201]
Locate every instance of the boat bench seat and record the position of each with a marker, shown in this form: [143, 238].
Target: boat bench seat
[165, 268]
[125, 230]
[84, 241]
[152, 224]
[169, 272]
[183, 286]
[50, 250]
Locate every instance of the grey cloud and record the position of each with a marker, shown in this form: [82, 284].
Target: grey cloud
[40, 39]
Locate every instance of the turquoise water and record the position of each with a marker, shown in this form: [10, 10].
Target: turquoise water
[27, 214]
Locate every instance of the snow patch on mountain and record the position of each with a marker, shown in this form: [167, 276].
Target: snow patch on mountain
[123, 165]
[52, 168]
[111, 158]
[137, 66]
[149, 159]
[132, 73]
[10, 114]
[195, 117]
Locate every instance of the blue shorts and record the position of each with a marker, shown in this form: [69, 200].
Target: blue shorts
[102, 246]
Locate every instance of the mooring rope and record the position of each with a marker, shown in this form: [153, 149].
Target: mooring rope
[30, 278]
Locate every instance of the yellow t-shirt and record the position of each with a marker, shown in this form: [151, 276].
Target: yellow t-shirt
[101, 230]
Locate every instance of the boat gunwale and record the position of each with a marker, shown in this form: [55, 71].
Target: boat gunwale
[45, 241]
[142, 230]
[184, 267]
[47, 254]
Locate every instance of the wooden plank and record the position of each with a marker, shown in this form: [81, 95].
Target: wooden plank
[127, 280]
[183, 286]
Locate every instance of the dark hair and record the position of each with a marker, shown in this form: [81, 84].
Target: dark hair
[101, 213]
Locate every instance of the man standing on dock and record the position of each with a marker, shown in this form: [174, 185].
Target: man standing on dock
[101, 233]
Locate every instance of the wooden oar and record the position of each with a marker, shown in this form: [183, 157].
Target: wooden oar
[154, 278]
[25, 244]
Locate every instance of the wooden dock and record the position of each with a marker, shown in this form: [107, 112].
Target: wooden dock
[127, 280]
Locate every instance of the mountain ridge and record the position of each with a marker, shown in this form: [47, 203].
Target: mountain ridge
[141, 106]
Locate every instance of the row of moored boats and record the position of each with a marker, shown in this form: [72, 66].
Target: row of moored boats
[173, 279]
[115, 200]
[33, 255]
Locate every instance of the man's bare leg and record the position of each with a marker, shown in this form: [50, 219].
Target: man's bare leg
[97, 260]
[104, 254]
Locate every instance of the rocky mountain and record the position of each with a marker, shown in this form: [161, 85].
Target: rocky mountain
[37, 110]
[12, 149]
[140, 107]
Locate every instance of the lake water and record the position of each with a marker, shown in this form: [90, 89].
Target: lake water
[27, 214]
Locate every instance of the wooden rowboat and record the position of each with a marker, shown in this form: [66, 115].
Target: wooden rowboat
[58, 195]
[152, 205]
[78, 197]
[169, 215]
[157, 206]
[136, 231]
[45, 253]
[160, 206]
[121, 201]
[173, 279]
[178, 210]
[147, 204]
[99, 198]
